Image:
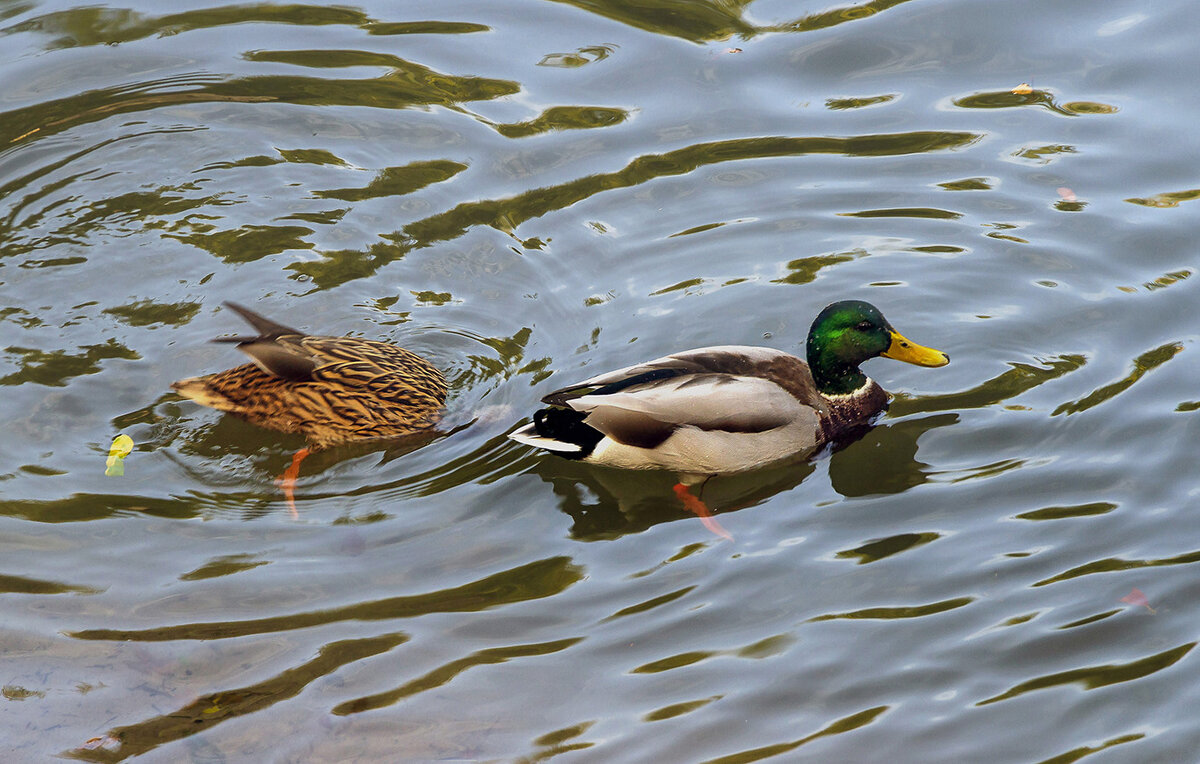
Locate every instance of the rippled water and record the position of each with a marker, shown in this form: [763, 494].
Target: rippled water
[529, 192]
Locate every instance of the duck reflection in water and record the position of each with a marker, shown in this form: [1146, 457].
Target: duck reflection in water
[605, 503]
[728, 409]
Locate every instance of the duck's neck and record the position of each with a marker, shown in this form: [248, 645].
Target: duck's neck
[833, 375]
[852, 411]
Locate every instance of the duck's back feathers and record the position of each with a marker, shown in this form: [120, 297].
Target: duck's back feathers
[330, 389]
[741, 360]
[717, 409]
[646, 414]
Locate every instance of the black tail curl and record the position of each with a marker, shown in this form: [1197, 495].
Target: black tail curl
[567, 426]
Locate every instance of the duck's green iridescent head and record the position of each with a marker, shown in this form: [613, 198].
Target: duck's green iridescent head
[849, 332]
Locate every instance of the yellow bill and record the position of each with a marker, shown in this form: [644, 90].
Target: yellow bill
[904, 349]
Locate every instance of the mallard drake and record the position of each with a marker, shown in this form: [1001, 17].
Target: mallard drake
[332, 390]
[729, 408]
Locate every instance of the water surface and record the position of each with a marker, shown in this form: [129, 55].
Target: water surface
[530, 192]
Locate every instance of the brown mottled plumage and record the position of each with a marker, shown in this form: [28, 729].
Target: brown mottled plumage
[330, 389]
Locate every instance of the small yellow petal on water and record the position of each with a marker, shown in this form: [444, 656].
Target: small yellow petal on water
[1022, 89]
[122, 445]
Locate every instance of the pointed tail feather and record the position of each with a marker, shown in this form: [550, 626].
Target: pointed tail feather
[530, 437]
[266, 328]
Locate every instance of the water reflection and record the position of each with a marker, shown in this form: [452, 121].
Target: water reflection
[444, 674]
[286, 150]
[879, 549]
[1003, 99]
[1092, 677]
[704, 20]
[95, 25]
[1019, 379]
[214, 708]
[509, 213]
[56, 367]
[606, 503]
[535, 580]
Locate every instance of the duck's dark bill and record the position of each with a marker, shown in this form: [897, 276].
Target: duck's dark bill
[904, 349]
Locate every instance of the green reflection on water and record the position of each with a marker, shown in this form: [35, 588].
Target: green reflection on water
[1075, 754]
[97, 25]
[55, 368]
[839, 104]
[424, 27]
[695, 20]
[534, 580]
[126, 211]
[1021, 378]
[247, 243]
[873, 551]
[1004, 99]
[705, 20]
[889, 613]
[678, 709]
[398, 181]
[1117, 564]
[443, 674]
[211, 709]
[651, 603]
[581, 57]
[23, 585]
[884, 459]
[406, 84]
[557, 742]
[223, 566]
[564, 118]
[1167, 198]
[763, 648]
[151, 313]
[804, 270]
[968, 184]
[1098, 676]
[1144, 363]
[1090, 619]
[845, 724]
[674, 662]
[929, 213]
[1077, 510]
[312, 156]
[507, 214]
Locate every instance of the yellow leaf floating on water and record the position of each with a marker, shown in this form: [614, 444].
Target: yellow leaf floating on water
[1023, 89]
[121, 446]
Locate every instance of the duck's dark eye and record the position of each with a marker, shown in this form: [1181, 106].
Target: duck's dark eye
[863, 326]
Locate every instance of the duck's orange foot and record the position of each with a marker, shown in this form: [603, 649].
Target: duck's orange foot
[287, 481]
[696, 506]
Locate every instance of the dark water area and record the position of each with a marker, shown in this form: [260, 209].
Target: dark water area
[527, 193]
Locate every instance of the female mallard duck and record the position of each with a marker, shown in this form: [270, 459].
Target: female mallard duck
[729, 408]
[332, 390]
